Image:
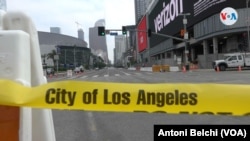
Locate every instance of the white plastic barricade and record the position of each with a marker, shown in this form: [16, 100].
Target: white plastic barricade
[20, 60]
[69, 73]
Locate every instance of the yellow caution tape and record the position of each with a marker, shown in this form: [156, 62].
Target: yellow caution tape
[176, 98]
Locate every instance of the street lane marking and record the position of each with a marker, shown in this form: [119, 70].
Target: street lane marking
[84, 77]
[125, 73]
[92, 126]
[73, 77]
[91, 121]
[107, 75]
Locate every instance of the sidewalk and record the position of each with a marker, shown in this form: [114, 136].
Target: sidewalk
[56, 75]
[63, 75]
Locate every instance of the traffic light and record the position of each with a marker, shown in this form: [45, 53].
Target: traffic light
[101, 31]
[124, 30]
[149, 32]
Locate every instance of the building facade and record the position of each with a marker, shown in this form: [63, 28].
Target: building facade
[120, 49]
[208, 38]
[70, 52]
[141, 7]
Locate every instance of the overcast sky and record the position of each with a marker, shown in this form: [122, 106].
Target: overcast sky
[65, 14]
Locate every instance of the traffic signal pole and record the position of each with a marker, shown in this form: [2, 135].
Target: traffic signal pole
[168, 36]
[135, 30]
[185, 37]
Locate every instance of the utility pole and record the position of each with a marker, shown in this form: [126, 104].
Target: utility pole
[185, 36]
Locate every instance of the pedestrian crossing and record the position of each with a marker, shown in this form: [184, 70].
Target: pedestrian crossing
[113, 75]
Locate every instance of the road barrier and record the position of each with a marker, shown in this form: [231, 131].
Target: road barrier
[69, 73]
[160, 68]
[21, 63]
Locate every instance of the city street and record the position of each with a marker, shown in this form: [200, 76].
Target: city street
[111, 126]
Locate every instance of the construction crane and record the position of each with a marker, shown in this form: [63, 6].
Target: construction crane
[78, 25]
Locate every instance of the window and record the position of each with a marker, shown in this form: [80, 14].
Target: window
[232, 58]
[239, 57]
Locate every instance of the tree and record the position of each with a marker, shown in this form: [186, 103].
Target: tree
[43, 58]
[51, 55]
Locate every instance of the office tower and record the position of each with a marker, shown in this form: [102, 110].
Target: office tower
[98, 44]
[120, 48]
[80, 34]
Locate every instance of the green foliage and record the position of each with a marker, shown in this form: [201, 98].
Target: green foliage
[51, 55]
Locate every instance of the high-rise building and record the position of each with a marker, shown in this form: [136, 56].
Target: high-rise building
[98, 44]
[120, 49]
[3, 5]
[141, 7]
[80, 34]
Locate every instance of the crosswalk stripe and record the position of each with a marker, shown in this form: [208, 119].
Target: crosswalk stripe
[84, 77]
[73, 77]
[106, 75]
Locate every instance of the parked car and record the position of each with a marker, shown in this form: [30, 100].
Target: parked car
[77, 70]
[50, 71]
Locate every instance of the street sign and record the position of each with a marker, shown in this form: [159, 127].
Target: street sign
[113, 33]
[186, 35]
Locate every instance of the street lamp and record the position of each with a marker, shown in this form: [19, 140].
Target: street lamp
[185, 35]
[248, 38]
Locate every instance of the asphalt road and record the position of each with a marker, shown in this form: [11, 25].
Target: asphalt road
[110, 126]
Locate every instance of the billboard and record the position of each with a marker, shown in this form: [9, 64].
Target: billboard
[165, 18]
[142, 35]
